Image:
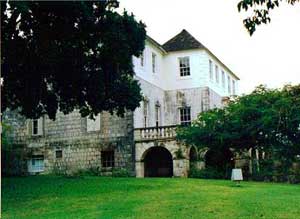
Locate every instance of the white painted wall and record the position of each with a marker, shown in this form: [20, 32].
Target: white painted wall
[218, 87]
[145, 72]
[153, 94]
[163, 85]
[172, 78]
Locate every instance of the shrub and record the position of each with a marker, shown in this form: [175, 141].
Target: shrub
[207, 173]
[120, 173]
[179, 154]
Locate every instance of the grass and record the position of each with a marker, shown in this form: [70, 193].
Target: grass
[97, 197]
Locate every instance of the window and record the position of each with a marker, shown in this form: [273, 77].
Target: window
[37, 126]
[223, 79]
[233, 87]
[217, 73]
[184, 66]
[229, 84]
[153, 62]
[142, 59]
[211, 76]
[58, 153]
[185, 116]
[157, 114]
[107, 158]
[36, 164]
[93, 125]
[145, 111]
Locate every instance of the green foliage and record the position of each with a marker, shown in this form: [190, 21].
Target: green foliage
[260, 11]
[266, 119]
[92, 171]
[207, 173]
[69, 55]
[5, 140]
[12, 161]
[179, 154]
[121, 172]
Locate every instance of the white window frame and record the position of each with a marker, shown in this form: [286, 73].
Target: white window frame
[233, 87]
[217, 73]
[146, 112]
[33, 128]
[154, 64]
[223, 79]
[185, 119]
[184, 66]
[36, 164]
[39, 127]
[142, 59]
[211, 75]
[229, 84]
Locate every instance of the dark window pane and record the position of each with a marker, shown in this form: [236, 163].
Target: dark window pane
[107, 159]
[58, 154]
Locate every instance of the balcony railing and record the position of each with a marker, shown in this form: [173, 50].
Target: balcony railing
[154, 133]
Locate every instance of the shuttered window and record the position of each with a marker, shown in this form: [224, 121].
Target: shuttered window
[93, 124]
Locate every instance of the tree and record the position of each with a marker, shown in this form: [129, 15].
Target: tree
[267, 120]
[69, 55]
[260, 11]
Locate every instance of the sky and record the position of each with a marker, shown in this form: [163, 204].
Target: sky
[271, 56]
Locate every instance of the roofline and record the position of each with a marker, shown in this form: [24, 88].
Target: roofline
[155, 43]
[215, 57]
[210, 53]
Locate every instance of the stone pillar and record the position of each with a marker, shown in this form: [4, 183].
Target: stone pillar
[139, 169]
[199, 165]
[180, 167]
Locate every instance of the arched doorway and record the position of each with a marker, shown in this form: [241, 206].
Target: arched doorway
[158, 162]
[219, 160]
[193, 157]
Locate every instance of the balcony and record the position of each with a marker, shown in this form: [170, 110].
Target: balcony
[154, 133]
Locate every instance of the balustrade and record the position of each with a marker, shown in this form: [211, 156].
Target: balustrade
[153, 133]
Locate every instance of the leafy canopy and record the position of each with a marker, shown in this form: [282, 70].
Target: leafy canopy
[260, 11]
[267, 119]
[66, 55]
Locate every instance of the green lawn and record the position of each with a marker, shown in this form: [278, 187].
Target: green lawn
[96, 197]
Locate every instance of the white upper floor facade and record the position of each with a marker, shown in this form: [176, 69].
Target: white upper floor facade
[184, 69]
[179, 79]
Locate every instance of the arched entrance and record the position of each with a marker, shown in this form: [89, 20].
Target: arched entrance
[193, 157]
[158, 162]
[220, 160]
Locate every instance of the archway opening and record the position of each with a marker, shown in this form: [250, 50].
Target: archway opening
[158, 162]
[193, 157]
[219, 161]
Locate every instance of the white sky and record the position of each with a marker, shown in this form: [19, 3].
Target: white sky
[271, 56]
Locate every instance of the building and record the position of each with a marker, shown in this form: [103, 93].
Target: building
[179, 79]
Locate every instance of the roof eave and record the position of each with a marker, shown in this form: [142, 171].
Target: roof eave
[215, 57]
[155, 43]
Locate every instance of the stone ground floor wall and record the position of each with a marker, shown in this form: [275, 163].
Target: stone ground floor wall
[76, 155]
[179, 156]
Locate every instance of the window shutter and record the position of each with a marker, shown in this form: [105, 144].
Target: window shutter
[40, 126]
[29, 126]
[93, 125]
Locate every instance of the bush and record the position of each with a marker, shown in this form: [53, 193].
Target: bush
[207, 173]
[120, 173]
